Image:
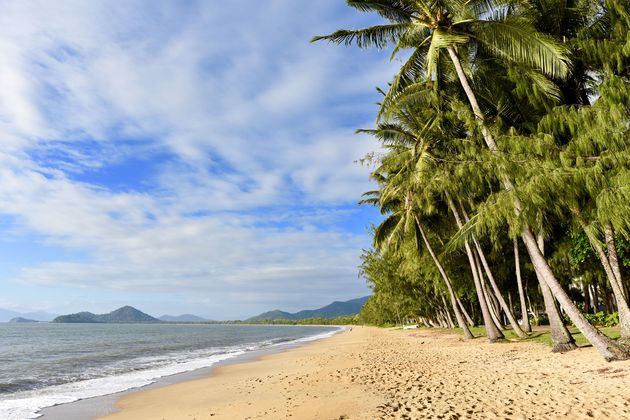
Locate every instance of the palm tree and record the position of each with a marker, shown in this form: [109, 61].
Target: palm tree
[399, 198]
[465, 30]
[411, 166]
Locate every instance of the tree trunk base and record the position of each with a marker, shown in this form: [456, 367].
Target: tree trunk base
[563, 347]
[617, 351]
[495, 340]
[624, 341]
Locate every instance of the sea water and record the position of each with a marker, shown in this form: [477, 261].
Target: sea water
[46, 364]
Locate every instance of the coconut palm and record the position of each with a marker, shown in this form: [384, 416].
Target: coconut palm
[410, 166]
[465, 30]
[398, 198]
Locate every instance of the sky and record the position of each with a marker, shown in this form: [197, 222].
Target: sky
[182, 156]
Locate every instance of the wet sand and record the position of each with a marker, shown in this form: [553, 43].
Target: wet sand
[372, 373]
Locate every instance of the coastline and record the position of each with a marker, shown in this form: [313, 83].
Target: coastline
[372, 373]
[102, 405]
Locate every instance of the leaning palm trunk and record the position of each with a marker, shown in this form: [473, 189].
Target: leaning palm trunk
[458, 315]
[494, 310]
[506, 309]
[485, 298]
[606, 347]
[493, 333]
[561, 338]
[497, 293]
[526, 326]
[611, 245]
[613, 278]
[471, 323]
[451, 324]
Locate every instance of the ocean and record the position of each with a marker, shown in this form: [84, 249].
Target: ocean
[46, 364]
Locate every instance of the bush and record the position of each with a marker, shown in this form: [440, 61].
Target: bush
[600, 319]
[542, 320]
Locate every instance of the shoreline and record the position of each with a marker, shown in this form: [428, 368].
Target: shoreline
[103, 405]
[370, 373]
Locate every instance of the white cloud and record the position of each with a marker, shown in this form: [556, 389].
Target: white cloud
[254, 121]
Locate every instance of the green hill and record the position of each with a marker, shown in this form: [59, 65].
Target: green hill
[20, 320]
[335, 309]
[124, 314]
[270, 315]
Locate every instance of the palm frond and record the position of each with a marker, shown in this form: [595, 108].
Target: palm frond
[390, 134]
[516, 40]
[389, 232]
[378, 36]
[409, 73]
[397, 11]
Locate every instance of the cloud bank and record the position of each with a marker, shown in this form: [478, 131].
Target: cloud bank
[201, 151]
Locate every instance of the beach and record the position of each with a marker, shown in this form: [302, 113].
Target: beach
[370, 373]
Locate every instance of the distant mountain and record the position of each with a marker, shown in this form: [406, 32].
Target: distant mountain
[335, 309]
[181, 318]
[80, 317]
[6, 315]
[270, 315]
[19, 319]
[124, 314]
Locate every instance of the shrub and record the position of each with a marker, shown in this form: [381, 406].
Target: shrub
[542, 320]
[600, 319]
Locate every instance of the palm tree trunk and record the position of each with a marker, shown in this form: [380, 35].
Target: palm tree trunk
[606, 347]
[492, 332]
[560, 336]
[448, 314]
[506, 309]
[472, 99]
[460, 319]
[494, 318]
[527, 327]
[613, 279]
[471, 323]
[492, 308]
[499, 297]
[613, 258]
[561, 339]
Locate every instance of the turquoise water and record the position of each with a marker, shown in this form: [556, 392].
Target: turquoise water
[47, 364]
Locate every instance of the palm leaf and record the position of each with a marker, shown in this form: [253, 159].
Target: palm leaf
[408, 74]
[378, 36]
[516, 40]
[397, 11]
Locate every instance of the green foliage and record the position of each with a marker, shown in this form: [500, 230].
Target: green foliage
[603, 320]
[541, 320]
[552, 82]
[340, 320]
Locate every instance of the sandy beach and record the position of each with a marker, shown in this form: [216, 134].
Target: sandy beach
[371, 373]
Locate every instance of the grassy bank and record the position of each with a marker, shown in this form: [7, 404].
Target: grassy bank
[540, 334]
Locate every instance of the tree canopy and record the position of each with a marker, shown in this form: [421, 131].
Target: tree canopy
[504, 178]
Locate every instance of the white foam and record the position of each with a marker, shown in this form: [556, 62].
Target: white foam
[27, 404]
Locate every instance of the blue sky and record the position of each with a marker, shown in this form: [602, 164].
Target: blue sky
[182, 157]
